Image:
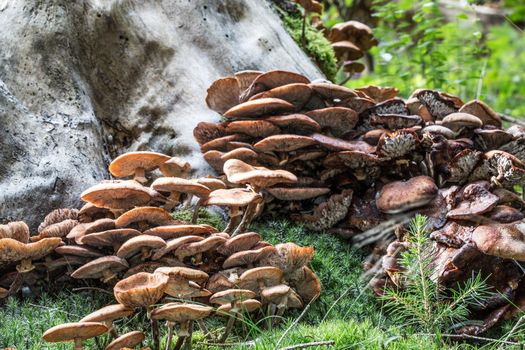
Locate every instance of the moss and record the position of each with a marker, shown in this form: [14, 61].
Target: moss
[317, 46]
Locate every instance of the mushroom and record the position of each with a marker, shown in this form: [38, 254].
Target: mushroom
[475, 199]
[175, 167]
[143, 290]
[261, 106]
[144, 217]
[185, 314]
[105, 268]
[233, 297]
[253, 128]
[243, 241]
[282, 297]
[338, 120]
[196, 249]
[258, 278]
[107, 315]
[109, 238]
[297, 123]
[175, 243]
[180, 230]
[234, 199]
[59, 229]
[297, 94]
[481, 110]
[400, 196]
[89, 212]
[117, 195]
[128, 340]
[17, 230]
[247, 257]
[184, 282]
[57, 216]
[136, 164]
[175, 186]
[144, 244]
[77, 332]
[270, 80]
[503, 240]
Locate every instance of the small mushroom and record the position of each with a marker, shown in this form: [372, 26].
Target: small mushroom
[503, 240]
[271, 80]
[234, 297]
[136, 164]
[256, 108]
[105, 268]
[117, 195]
[77, 332]
[176, 231]
[258, 278]
[144, 217]
[400, 196]
[145, 244]
[475, 199]
[282, 297]
[175, 167]
[247, 257]
[107, 315]
[128, 340]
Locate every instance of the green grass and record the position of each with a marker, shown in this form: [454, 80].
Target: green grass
[346, 312]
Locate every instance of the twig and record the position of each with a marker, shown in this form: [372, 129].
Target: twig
[472, 337]
[295, 322]
[250, 343]
[309, 345]
[510, 119]
[92, 288]
[516, 325]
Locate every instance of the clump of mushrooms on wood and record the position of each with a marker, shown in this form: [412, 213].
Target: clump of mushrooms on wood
[366, 161]
[179, 273]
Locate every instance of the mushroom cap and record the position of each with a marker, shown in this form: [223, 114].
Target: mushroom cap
[89, 212]
[177, 184]
[128, 340]
[339, 120]
[75, 250]
[174, 244]
[284, 143]
[298, 123]
[16, 230]
[337, 144]
[244, 241]
[505, 214]
[223, 94]
[242, 153]
[140, 290]
[353, 159]
[222, 143]
[108, 313]
[248, 305]
[95, 268]
[379, 93]
[245, 78]
[204, 132]
[180, 312]
[231, 295]
[59, 229]
[476, 199]
[176, 231]
[271, 80]
[153, 215]
[493, 138]
[481, 110]
[395, 121]
[117, 195]
[127, 164]
[138, 243]
[392, 106]
[191, 249]
[268, 275]
[356, 31]
[81, 230]
[290, 257]
[329, 212]
[275, 295]
[239, 172]
[177, 273]
[12, 250]
[234, 197]
[297, 94]
[176, 167]
[253, 128]
[440, 130]
[248, 257]
[71, 331]
[331, 91]
[503, 240]
[56, 216]
[212, 183]
[298, 193]
[456, 121]
[307, 285]
[399, 196]
[438, 105]
[42, 248]
[109, 238]
[259, 107]
[397, 144]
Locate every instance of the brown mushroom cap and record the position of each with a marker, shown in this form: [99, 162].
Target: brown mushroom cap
[456, 121]
[242, 153]
[176, 231]
[253, 128]
[439, 129]
[239, 172]
[108, 313]
[177, 273]
[281, 293]
[205, 132]
[271, 80]
[152, 215]
[139, 243]
[476, 198]
[333, 91]
[175, 167]
[399, 196]
[127, 164]
[438, 105]
[481, 110]
[96, 268]
[336, 144]
[503, 240]
[307, 285]
[56, 216]
[59, 229]
[355, 31]
[346, 50]
[177, 184]
[265, 276]
[234, 197]
[244, 241]
[174, 244]
[505, 214]
[395, 121]
[329, 212]
[180, 312]
[396, 144]
[284, 143]
[191, 249]
[248, 305]
[81, 230]
[298, 123]
[379, 93]
[297, 94]
[245, 78]
[223, 94]
[42, 248]
[72, 331]
[231, 295]
[248, 257]
[339, 120]
[297, 194]
[117, 195]
[89, 212]
[12, 250]
[109, 238]
[16, 230]
[74, 250]
[259, 107]
[128, 340]
[222, 143]
[141, 290]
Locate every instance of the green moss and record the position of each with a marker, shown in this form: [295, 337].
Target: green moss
[317, 46]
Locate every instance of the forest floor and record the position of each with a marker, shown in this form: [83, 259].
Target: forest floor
[346, 313]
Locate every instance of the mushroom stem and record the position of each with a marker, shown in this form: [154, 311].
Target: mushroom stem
[170, 335]
[234, 219]
[179, 343]
[78, 344]
[16, 285]
[140, 175]
[204, 329]
[246, 219]
[188, 344]
[173, 201]
[183, 334]
[229, 326]
[107, 275]
[154, 329]
[187, 201]
[25, 266]
[195, 215]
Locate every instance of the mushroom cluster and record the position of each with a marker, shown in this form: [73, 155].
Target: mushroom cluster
[366, 161]
[126, 238]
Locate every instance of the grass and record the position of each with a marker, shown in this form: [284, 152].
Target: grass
[346, 312]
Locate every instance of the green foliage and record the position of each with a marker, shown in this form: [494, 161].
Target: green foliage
[317, 46]
[205, 217]
[423, 303]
